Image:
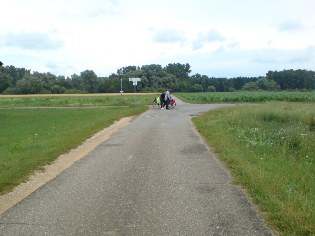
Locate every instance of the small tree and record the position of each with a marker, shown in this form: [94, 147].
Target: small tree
[5, 82]
[250, 86]
[29, 85]
[266, 84]
[196, 88]
[89, 80]
[211, 89]
[1, 64]
[57, 89]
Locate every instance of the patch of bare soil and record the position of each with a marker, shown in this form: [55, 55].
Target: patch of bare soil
[60, 164]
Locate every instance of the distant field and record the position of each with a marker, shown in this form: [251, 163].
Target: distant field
[246, 97]
[75, 100]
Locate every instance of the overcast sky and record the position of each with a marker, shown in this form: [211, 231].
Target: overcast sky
[219, 38]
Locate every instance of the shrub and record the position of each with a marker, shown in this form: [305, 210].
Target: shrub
[211, 89]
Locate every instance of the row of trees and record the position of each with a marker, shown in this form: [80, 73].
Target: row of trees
[153, 78]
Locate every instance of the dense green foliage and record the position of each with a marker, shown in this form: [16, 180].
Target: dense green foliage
[269, 149]
[154, 78]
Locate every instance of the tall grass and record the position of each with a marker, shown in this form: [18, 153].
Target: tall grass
[31, 138]
[270, 150]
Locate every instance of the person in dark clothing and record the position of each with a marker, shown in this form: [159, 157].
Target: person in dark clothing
[162, 98]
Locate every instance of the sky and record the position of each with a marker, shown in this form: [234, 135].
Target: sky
[217, 38]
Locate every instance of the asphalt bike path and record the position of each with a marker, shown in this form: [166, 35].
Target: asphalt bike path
[155, 176]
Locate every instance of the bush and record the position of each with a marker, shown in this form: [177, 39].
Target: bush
[250, 86]
[74, 91]
[56, 89]
[10, 90]
[211, 89]
[196, 88]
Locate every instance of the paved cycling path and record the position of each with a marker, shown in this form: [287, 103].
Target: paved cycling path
[153, 177]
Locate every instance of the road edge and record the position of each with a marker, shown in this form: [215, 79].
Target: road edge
[63, 162]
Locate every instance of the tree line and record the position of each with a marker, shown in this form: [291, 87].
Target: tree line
[154, 78]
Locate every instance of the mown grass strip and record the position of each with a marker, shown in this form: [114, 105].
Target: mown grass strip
[75, 100]
[269, 148]
[32, 138]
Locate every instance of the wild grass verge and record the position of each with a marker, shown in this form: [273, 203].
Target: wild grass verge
[269, 149]
[31, 138]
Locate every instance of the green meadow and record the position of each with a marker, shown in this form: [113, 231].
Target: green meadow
[34, 136]
[75, 100]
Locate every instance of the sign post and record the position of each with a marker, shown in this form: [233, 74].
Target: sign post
[134, 82]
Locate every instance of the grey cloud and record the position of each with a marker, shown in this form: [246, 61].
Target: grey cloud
[168, 36]
[303, 55]
[104, 9]
[250, 62]
[80, 10]
[233, 45]
[292, 56]
[32, 40]
[60, 69]
[208, 37]
[289, 25]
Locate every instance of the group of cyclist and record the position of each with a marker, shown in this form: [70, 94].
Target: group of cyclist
[164, 100]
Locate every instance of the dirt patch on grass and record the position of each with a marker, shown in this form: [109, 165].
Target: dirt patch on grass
[60, 164]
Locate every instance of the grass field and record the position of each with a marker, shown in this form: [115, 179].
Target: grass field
[31, 138]
[247, 97]
[270, 151]
[75, 100]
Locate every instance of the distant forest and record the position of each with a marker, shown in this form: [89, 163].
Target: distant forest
[154, 78]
